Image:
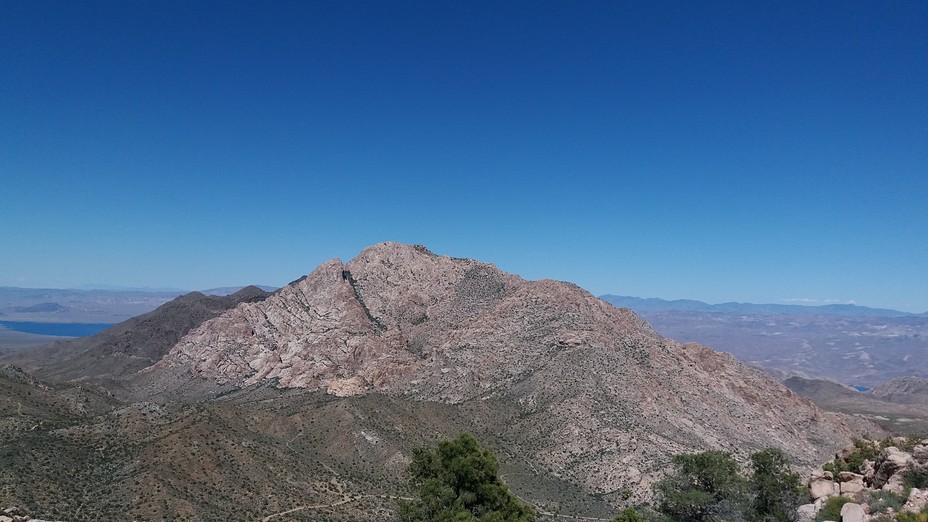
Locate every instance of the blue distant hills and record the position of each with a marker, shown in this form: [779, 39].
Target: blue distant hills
[653, 304]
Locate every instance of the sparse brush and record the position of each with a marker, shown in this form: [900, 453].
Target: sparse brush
[883, 501]
[913, 517]
[832, 509]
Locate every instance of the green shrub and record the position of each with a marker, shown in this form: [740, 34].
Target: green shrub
[777, 491]
[883, 501]
[913, 517]
[459, 480]
[914, 478]
[707, 486]
[863, 450]
[628, 515]
[911, 441]
[831, 510]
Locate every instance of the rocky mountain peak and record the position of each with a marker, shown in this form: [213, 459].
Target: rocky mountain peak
[395, 317]
[599, 395]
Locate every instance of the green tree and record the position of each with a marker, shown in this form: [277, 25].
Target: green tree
[458, 482]
[706, 487]
[777, 491]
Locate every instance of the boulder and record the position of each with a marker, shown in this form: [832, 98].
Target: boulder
[847, 476]
[852, 512]
[918, 500]
[850, 489]
[821, 484]
[851, 483]
[846, 452]
[890, 461]
[920, 452]
[822, 487]
[894, 484]
[806, 513]
[867, 470]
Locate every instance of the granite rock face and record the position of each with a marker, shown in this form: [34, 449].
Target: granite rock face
[604, 399]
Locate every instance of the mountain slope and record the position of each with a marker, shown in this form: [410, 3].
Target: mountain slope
[603, 400]
[70, 452]
[129, 346]
[897, 405]
[903, 390]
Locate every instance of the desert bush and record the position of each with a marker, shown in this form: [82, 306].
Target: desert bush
[628, 515]
[913, 517]
[914, 477]
[863, 450]
[831, 510]
[883, 501]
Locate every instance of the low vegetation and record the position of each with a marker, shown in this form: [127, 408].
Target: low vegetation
[709, 486]
[863, 450]
[884, 502]
[914, 478]
[458, 481]
[831, 510]
[869, 450]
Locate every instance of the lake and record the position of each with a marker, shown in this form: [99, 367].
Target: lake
[59, 329]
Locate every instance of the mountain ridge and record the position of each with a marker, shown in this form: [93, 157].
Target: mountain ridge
[127, 347]
[654, 304]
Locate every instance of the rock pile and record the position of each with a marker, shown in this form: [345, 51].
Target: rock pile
[14, 514]
[886, 473]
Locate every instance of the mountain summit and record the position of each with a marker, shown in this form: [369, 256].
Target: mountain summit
[599, 397]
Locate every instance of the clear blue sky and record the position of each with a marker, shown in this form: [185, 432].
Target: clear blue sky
[719, 151]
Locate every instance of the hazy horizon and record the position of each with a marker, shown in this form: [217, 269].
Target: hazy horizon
[718, 151]
[797, 301]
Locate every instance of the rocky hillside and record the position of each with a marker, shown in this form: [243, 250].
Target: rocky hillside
[131, 345]
[895, 406]
[603, 400]
[904, 390]
[880, 480]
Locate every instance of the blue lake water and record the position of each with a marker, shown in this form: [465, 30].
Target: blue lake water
[861, 388]
[61, 329]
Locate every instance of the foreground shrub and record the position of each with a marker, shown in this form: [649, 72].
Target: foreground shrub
[831, 510]
[883, 501]
[705, 487]
[777, 491]
[863, 450]
[913, 477]
[458, 481]
[913, 517]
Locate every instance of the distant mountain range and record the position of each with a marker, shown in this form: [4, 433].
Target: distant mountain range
[97, 306]
[653, 304]
[854, 345]
[229, 290]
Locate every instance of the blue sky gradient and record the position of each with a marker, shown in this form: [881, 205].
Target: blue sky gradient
[720, 151]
